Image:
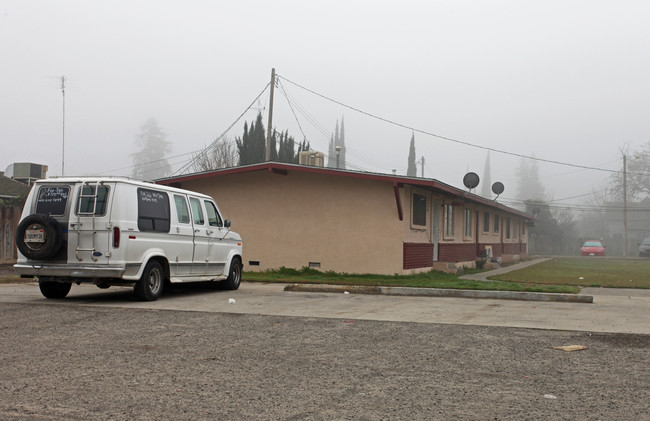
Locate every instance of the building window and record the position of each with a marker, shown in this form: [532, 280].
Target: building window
[507, 228]
[419, 210]
[486, 222]
[496, 224]
[515, 229]
[448, 216]
[468, 222]
[523, 228]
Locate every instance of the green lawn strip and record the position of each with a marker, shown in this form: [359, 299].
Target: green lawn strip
[585, 272]
[432, 279]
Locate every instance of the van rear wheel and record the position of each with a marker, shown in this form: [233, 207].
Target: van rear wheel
[51, 289]
[150, 285]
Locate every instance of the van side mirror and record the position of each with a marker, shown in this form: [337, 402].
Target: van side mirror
[226, 223]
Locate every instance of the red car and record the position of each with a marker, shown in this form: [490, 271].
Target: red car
[592, 248]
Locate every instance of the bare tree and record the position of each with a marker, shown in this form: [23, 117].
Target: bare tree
[221, 154]
[638, 176]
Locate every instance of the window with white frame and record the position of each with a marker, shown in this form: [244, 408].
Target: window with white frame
[448, 219]
[468, 223]
[486, 222]
[523, 228]
[507, 228]
[497, 219]
[419, 214]
[515, 229]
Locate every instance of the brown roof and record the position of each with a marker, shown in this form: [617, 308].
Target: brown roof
[12, 188]
[283, 168]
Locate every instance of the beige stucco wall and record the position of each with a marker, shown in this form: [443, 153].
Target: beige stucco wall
[345, 224]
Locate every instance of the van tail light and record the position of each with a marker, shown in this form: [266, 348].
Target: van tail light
[116, 237]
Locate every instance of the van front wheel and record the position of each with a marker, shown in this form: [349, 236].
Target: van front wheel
[234, 276]
[150, 285]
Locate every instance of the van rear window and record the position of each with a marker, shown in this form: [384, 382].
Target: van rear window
[89, 203]
[52, 200]
[153, 210]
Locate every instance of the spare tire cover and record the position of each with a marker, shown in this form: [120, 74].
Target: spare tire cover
[39, 237]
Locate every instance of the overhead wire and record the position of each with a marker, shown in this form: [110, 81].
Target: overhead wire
[194, 159]
[461, 142]
[292, 110]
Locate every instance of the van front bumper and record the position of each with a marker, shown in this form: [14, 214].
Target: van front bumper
[78, 273]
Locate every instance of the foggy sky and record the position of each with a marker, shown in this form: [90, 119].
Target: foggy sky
[560, 80]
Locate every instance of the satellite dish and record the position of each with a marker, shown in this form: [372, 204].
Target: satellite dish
[471, 180]
[497, 188]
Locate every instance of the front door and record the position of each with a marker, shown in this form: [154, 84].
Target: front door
[220, 246]
[209, 255]
[181, 256]
[202, 241]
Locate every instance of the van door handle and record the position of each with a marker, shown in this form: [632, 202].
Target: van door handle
[197, 230]
[208, 232]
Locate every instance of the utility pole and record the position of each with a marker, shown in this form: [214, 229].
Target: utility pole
[338, 153]
[63, 130]
[624, 205]
[270, 128]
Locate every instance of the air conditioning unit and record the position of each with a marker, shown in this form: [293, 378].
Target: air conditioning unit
[312, 158]
[26, 172]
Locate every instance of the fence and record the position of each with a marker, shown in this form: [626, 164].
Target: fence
[9, 218]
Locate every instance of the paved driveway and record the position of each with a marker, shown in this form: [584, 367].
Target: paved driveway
[613, 310]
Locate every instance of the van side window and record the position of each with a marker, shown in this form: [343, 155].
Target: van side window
[213, 216]
[52, 201]
[197, 212]
[153, 211]
[181, 209]
[87, 201]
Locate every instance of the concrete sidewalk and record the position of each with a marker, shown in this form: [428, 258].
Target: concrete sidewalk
[456, 293]
[484, 275]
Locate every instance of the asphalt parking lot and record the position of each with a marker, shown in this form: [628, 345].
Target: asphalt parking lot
[271, 354]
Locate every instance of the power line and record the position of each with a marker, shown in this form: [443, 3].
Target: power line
[194, 159]
[292, 111]
[448, 138]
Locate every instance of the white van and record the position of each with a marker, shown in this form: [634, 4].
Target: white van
[118, 231]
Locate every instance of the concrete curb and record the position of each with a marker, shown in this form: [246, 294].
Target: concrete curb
[435, 292]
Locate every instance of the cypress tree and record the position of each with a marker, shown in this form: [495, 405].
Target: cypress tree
[331, 155]
[342, 144]
[412, 169]
[252, 145]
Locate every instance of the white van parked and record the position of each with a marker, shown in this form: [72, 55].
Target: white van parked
[118, 231]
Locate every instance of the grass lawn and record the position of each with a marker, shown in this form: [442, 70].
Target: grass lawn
[432, 279]
[584, 271]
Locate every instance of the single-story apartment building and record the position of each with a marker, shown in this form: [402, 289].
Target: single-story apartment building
[357, 222]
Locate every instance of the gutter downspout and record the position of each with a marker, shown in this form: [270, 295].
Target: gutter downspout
[398, 201]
